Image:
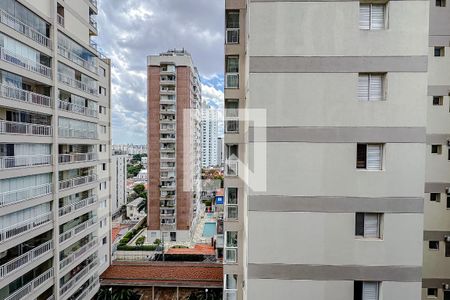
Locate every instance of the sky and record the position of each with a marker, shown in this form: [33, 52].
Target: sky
[130, 30]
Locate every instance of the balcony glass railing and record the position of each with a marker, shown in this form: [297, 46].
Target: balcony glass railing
[77, 205]
[77, 157]
[81, 275]
[12, 197]
[77, 133]
[77, 181]
[77, 59]
[20, 161]
[77, 254]
[63, 237]
[93, 2]
[28, 289]
[25, 259]
[25, 63]
[24, 29]
[93, 286]
[93, 23]
[16, 94]
[79, 85]
[78, 109]
[23, 227]
[25, 128]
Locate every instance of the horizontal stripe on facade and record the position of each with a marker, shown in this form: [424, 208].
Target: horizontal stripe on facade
[337, 64]
[435, 282]
[340, 134]
[439, 40]
[429, 235]
[438, 139]
[328, 272]
[436, 187]
[335, 204]
[255, 1]
[438, 90]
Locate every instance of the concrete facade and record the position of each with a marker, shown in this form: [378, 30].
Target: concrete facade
[209, 137]
[55, 140]
[118, 183]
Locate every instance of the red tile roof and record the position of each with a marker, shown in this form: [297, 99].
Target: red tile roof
[198, 249]
[182, 274]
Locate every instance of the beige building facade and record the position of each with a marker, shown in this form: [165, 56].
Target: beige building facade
[55, 140]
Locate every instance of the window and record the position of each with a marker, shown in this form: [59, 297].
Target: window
[436, 197]
[439, 51]
[446, 295]
[369, 156]
[231, 245]
[370, 87]
[438, 100]
[433, 245]
[104, 166]
[448, 201]
[232, 203]
[367, 225]
[102, 186]
[440, 3]
[103, 129]
[232, 71]
[232, 26]
[436, 149]
[447, 248]
[102, 90]
[432, 292]
[102, 71]
[102, 109]
[230, 288]
[366, 290]
[105, 240]
[371, 16]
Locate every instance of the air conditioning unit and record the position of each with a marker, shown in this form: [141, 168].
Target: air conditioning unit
[445, 286]
[447, 190]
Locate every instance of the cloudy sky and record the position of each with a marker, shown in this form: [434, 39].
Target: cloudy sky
[130, 30]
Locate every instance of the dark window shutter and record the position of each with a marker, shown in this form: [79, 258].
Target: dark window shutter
[359, 224]
[361, 156]
[447, 249]
[357, 290]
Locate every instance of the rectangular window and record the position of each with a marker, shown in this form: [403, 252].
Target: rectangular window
[367, 225]
[448, 202]
[232, 71]
[432, 292]
[232, 203]
[102, 71]
[436, 197]
[231, 245]
[438, 100]
[439, 51]
[433, 245]
[371, 87]
[230, 287]
[104, 167]
[105, 240]
[232, 27]
[436, 149]
[369, 156]
[446, 295]
[447, 249]
[440, 3]
[372, 16]
[366, 290]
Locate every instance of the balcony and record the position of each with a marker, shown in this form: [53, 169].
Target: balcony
[168, 227]
[79, 85]
[63, 237]
[77, 205]
[21, 161]
[77, 181]
[232, 36]
[232, 80]
[78, 134]
[9, 127]
[231, 167]
[60, 20]
[13, 197]
[30, 287]
[78, 277]
[78, 109]
[77, 157]
[93, 23]
[94, 3]
[23, 227]
[13, 93]
[24, 29]
[77, 254]
[93, 286]
[167, 91]
[77, 60]
[25, 63]
[25, 259]
[169, 111]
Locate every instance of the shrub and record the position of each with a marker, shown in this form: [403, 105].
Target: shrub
[140, 240]
[136, 248]
[157, 242]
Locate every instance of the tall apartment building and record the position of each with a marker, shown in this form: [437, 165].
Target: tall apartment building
[210, 131]
[174, 145]
[436, 255]
[54, 151]
[220, 151]
[344, 88]
[118, 183]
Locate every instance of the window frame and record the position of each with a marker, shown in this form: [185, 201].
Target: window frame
[361, 216]
[366, 156]
[370, 22]
[370, 97]
[437, 248]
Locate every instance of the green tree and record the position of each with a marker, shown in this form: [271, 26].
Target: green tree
[139, 188]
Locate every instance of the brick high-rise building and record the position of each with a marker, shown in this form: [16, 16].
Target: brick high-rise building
[174, 145]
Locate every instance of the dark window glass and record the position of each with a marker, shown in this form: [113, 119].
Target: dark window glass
[359, 224]
[361, 156]
[357, 290]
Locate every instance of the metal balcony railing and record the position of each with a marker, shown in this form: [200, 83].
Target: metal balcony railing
[78, 253]
[28, 289]
[25, 63]
[25, 128]
[77, 205]
[77, 133]
[85, 272]
[77, 59]
[77, 157]
[25, 259]
[60, 20]
[93, 286]
[79, 85]
[77, 181]
[77, 230]
[22, 227]
[24, 29]
[93, 23]
[17, 94]
[94, 3]
[12, 197]
[20, 161]
[78, 109]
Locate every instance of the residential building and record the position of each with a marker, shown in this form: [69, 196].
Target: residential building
[174, 145]
[130, 149]
[343, 88]
[209, 137]
[55, 133]
[220, 151]
[118, 183]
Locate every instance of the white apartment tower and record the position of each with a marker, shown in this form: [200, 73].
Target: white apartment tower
[118, 183]
[209, 137]
[55, 138]
[344, 89]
